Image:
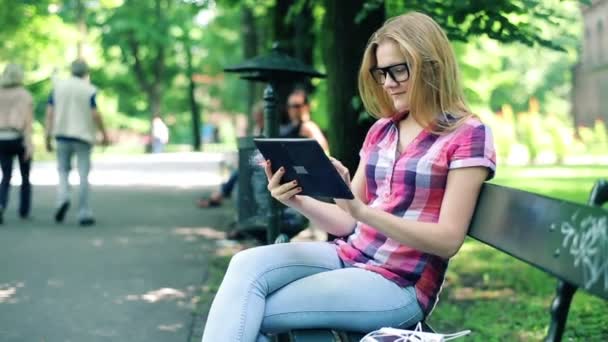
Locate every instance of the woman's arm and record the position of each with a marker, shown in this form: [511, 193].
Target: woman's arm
[443, 238]
[310, 129]
[326, 216]
[27, 130]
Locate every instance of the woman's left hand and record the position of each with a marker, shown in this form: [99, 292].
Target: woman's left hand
[351, 206]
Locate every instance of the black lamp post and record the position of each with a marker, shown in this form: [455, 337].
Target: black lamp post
[273, 69]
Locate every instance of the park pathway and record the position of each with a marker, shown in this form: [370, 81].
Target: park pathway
[132, 276]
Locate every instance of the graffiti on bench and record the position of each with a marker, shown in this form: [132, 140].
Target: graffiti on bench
[587, 239]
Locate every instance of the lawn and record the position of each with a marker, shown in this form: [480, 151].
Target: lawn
[501, 299]
[496, 296]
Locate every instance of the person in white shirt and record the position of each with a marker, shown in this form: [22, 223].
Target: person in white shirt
[160, 134]
[72, 119]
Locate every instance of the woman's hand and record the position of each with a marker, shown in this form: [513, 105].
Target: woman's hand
[354, 206]
[284, 193]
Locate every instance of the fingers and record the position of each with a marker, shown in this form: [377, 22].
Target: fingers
[342, 170]
[286, 191]
[277, 190]
[281, 189]
[268, 170]
[273, 179]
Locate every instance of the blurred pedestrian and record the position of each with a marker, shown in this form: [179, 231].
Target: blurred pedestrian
[216, 198]
[300, 125]
[160, 134]
[16, 117]
[71, 119]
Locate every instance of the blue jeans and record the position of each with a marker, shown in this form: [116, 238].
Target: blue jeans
[66, 149]
[276, 288]
[226, 188]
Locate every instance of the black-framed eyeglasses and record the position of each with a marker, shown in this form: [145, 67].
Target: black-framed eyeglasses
[398, 72]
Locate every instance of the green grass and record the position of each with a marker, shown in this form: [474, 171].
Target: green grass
[502, 299]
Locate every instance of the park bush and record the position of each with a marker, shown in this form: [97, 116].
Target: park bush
[543, 134]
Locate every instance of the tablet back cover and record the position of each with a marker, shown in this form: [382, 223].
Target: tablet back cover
[305, 161]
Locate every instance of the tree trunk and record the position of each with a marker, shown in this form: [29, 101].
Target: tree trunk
[194, 108]
[304, 40]
[295, 38]
[343, 45]
[82, 28]
[283, 34]
[250, 50]
[283, 31]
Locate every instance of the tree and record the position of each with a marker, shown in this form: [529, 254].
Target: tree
[342, 55]
[140, 31]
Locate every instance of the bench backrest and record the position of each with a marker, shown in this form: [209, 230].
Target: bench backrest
[565, 239]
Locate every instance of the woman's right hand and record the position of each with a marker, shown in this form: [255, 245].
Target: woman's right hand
[284, 193]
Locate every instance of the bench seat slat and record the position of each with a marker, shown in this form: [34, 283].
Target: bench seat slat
[563, 238]
[312, 335]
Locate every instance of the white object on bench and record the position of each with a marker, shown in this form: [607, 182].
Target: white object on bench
[416, 335]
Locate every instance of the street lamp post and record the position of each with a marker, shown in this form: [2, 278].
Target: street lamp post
[273, 69]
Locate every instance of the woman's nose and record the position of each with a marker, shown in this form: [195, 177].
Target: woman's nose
[389, 82]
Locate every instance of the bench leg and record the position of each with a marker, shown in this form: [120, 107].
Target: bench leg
[559, 311]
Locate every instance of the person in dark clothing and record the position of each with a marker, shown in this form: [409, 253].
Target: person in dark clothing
[16, 118]
[300, 125]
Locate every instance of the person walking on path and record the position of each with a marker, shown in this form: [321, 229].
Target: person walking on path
[421, 168]
[160, 134]
[16, 118]
[71, 119]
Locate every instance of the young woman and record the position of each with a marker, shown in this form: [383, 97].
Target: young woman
[422, 165]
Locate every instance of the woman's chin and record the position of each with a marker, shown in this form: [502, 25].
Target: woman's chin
[401, 107]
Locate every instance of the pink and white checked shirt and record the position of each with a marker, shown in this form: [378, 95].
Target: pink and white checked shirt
[411, 185]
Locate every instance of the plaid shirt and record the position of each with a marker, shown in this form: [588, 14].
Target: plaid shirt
[411, 185]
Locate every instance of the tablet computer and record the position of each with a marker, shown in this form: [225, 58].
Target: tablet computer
[305, 161]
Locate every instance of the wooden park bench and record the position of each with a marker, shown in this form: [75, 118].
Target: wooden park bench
[567, 240]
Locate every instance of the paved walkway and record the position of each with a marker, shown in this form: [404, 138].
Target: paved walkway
[129, 278]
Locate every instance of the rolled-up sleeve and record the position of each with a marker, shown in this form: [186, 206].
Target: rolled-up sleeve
[475, 147]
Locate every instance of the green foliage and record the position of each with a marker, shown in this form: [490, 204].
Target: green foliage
[524, 136]
[530, 130]
[601, 135]
[561, 131]
[508, 21]
[503, 129]
[594, 138]
[494, 74]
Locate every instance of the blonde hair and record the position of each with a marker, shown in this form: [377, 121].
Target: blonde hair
[435, 89]
[12, 76]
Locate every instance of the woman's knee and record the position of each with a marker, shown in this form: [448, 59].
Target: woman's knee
[247, 260]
